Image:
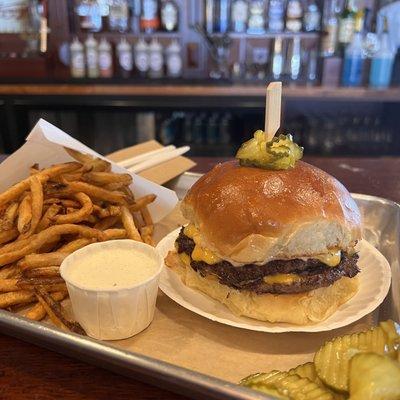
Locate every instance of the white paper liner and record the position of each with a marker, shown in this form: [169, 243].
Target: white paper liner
[374, 278]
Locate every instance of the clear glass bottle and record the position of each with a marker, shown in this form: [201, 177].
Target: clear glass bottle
[90, 17]
[347, 23]
[382, 62]
[209, 15]
[222, 16]
[294, 16]
[174, 59]
[256, 23]
[92, 56]
[312, 17]
[149, 19]
[77, 59]
[277, 59]
[295, 59]
[118, 17]
[106, 69]
[330, 28]
[169, 16]
[239, 15]
[276, 15]
[141, 57]
[156, 59]
[125, 58]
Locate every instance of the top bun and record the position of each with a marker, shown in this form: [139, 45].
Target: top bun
[253, 215]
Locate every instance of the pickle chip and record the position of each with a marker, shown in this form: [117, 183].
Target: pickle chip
[374, 377]
[288, 386]
[332, 359]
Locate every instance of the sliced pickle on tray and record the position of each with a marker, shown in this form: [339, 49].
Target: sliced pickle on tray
[287, 386]
[374, 377]
[332, 359]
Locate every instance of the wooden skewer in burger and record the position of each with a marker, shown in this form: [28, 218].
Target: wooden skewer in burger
[271, 237]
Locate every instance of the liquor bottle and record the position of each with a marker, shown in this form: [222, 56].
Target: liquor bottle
[371, 39]
[354, 57]
[294, 16]
[295, 59]
[222, 16]
[239, 15]
[174, 59]
[277, 58]
[118, 16]
[382, 62]
[209, 16]
[89, 15]
[105, 59]
[169, 15]
[156, 60]
[347, 24]
[149, 20]
[142, 57]
[312, 67]
[312, 17]
[276, 15]
[135, 7]
[330, 27]
[125, 58]
[92, 56]
[256, 23]
[77, 63]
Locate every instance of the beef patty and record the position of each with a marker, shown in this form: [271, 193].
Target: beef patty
[312, 273]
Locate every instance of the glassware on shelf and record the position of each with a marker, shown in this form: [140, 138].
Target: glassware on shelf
[277, 58]
[347, 23]
[276, 15]
[125, 58]
[295, 59]
[239, 15]
[77, 59]
[149, 19]
[256, 22]
[222, 16]
[90, 15]
[330, 28]
[209, 16]
[174, 62]
[169, 15]
[142, 57]
[156, 59]
[312, 17]
[135, 7]
[106, 69]
[118, 17]
[294, 16]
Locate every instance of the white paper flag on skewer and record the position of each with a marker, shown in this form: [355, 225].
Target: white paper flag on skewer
[45, 146]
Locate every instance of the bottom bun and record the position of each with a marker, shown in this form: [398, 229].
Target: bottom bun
[297, 308]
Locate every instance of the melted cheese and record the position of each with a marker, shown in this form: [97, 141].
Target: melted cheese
[284, 279]
[331, 259]
[206, 255]
[190, 231]
[185, 258]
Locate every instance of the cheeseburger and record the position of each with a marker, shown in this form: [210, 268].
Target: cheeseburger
[274, 245]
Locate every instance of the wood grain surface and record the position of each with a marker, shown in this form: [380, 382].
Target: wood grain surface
[30, 372]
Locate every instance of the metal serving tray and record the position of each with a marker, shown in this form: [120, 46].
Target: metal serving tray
[381, 220]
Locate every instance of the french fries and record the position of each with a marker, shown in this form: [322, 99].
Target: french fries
[54, 212]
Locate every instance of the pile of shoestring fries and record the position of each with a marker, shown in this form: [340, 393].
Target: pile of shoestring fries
[54, 212]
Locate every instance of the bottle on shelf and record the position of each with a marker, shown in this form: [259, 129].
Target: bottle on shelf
[169, 15]
[294, 16]
[90, 16]
[256, 22]
[209, 16]
[382, 62]
[277, 58]
[312, 17]
[105, 59]
[142, 57]
[347, 23]
[118, 16]
[276, 15]
[330, 28]
[222, 16]
[312, 65]
[77, 60]
[295, 59]
[92, 56]
[156, 59]
[174, 63]
[354, 57]
[135, 7]
[239, 15]
[125, 58]
[149, 19]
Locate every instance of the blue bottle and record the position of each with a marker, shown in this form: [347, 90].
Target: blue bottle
[382, 63]
[353, 62]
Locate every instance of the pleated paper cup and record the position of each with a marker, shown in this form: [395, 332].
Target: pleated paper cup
[115, 313]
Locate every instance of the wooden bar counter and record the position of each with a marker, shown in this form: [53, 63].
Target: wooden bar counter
[30, 372]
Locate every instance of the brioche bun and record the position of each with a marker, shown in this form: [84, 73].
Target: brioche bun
[299, 308]
[253, 215]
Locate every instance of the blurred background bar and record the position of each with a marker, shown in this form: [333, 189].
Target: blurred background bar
[117, 72]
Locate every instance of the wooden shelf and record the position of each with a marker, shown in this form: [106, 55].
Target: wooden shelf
[193, 90]
[119, 35]
[272, 35]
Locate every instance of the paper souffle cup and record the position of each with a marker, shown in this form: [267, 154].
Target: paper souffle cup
[117, 313]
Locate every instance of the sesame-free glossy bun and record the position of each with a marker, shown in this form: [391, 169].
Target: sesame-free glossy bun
[254, 215]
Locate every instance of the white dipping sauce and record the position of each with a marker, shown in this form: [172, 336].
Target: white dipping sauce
[112, 269]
